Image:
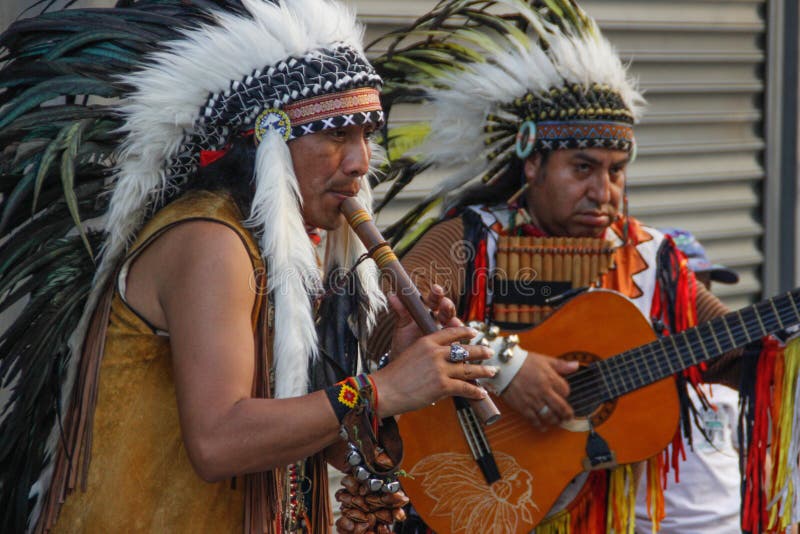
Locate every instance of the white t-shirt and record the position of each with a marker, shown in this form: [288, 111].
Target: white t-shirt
[707, 498]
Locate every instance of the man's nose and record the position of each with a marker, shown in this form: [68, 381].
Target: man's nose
[600, 188]
[357, 156]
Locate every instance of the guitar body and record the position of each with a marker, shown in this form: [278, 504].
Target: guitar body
[446, 485]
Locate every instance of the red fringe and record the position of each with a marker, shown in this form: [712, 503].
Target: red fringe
[477, 307]
[591, 512]
[754, 507]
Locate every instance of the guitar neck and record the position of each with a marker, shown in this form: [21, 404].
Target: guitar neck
[664, 357]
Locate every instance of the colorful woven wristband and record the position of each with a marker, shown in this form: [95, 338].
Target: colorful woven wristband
[343, 397]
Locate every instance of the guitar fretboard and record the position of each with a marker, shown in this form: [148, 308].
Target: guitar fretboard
[664, 357]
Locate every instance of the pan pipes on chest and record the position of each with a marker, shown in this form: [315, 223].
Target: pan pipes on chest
[532, 270]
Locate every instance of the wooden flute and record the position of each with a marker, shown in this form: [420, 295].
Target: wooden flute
[379, 250]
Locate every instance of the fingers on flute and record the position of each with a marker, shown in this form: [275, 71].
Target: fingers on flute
[468, 390]
[435, 296]
[403, 317]
[445, 336]
[471, 371]
[478, 353]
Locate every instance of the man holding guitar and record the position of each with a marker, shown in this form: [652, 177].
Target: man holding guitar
[534, 123]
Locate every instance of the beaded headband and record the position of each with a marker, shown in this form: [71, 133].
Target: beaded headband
[566, 117]
[323, 89]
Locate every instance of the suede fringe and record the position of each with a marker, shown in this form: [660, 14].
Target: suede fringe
[73, 457]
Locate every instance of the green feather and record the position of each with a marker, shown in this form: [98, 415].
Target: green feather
[48, 157]
[68, 180]
[83, 39]
[16, 197]
[58, 86]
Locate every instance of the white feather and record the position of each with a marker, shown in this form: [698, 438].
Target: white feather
[512, 68]
[293, 275]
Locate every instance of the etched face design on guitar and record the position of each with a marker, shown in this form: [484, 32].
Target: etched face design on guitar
[328, 165]
[575, 192]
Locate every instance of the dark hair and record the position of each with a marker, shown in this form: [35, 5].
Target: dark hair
[232, 173]
[501, 190]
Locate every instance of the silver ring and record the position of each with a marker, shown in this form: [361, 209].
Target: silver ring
[544, 410]
[458, 354]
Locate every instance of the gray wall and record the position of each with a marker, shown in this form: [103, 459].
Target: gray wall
[11, 9]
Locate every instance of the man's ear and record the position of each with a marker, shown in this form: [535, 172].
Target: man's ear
[532, 168]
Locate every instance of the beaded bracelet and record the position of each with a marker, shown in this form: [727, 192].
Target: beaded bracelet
[343, 396]
[351, 392]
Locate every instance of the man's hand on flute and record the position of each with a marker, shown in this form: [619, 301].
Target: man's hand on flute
[420, 371]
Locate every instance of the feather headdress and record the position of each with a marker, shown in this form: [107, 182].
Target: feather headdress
[174, 79]
[501, 79]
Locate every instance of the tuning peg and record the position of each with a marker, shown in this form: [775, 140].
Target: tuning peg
[493, 332]
[480, 326]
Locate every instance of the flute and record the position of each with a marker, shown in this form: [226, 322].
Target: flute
[380, 251]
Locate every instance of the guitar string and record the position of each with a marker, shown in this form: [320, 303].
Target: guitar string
[582, 400]
[636, 355]
[640, 355]
[633, 356]
[614, 373]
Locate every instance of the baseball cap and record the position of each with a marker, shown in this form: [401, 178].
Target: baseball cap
[698, 260]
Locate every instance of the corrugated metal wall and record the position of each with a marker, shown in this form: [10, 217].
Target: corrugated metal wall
[701, 65]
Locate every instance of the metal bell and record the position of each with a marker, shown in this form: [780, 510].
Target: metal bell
[353, 458]
[361, 474]
[375, 484]
[391, 487]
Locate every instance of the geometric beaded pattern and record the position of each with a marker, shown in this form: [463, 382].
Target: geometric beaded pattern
[321, 107]
[583, 134]
[316, 73]
[574, 103]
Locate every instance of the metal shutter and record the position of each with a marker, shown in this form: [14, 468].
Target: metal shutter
[701, 64]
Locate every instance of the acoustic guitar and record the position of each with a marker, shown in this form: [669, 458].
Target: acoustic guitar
[504, 478]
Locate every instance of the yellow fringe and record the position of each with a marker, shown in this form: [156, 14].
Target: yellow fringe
[558, 524]
[621, 514]
[655, 492]
[780, 469]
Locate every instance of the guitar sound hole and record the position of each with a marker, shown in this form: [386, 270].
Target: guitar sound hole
[585, 389]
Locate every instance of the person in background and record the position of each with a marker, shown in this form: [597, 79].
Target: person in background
[707, 499]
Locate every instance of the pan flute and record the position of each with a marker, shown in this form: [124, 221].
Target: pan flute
[530, 271]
